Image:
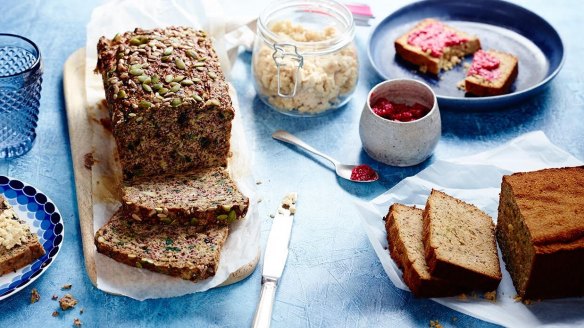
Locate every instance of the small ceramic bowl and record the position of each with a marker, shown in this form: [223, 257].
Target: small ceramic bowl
[400, 143]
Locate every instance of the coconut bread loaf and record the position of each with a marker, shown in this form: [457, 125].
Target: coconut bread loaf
[207, 197]
[404, 227]
[18, 246]
[168, 100]
[540, 230]
[180, 251]
[491, 73]
[459, 242]
[434, 46]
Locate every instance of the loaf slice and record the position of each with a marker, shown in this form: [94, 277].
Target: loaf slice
[540, 230]
[491, 73]
[180, 251]
[18, 246]
[206, 197]
[404, 235]
[459, 242]
[434, 46]
[168, 101]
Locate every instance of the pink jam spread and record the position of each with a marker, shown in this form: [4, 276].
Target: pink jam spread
[484, 65]
[399, 112]
[434, 37]
[363, 172]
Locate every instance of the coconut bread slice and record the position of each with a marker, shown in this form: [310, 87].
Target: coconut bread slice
[180, 251]
[18, 246]
[404, 225]
[207, 197]
[459, 242]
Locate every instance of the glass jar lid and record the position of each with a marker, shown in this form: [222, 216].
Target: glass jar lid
[316, 15]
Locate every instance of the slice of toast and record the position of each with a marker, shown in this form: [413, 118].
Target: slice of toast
[208, 197]
[404, 236]
[18, 246]
[434, 46]
[180, 251]
[491, 73]
[459, 242]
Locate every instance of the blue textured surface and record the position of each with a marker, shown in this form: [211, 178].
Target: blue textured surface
[332, 278]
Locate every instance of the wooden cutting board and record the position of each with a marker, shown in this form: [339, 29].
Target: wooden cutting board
[80, 137]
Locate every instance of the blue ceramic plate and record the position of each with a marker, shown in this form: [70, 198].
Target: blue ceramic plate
[42, 217]
[499, 25]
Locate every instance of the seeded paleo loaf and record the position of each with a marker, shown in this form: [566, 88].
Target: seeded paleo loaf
[459, 242]
[540, 230]
[180, 251]
[206, 197]
[18, 246]
[491, 73]
[434, 46]
[168, 100]
[404, 236]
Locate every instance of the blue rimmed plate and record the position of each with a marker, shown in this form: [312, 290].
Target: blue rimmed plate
[499, 25]
[44, 219]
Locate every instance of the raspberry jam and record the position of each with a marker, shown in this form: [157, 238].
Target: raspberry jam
[433, 38]
[399, 112]
[485, 65]
[363, 172]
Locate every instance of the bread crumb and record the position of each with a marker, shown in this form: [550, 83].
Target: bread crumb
[527, 302]
[54, 297]
[67, 302]
[88, 161]
[272, 215]
[34, 296]
[55, 314]
[258, 182]
[259, 200]
[81, 311]
[76, 322]
[66, 286]
[454, 319]
[435, 324]
[517, 298]
[462, 297]
[491, 296]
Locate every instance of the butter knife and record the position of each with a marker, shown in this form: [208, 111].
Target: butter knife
[275, 259]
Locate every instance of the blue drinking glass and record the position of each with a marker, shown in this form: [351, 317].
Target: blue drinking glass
[21, 75]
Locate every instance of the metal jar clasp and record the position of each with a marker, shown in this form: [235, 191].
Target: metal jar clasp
[284, 55]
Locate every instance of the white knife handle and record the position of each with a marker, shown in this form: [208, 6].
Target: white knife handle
[263, 315]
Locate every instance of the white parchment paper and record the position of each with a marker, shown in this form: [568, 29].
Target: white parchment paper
[476, 179]
[242, 245]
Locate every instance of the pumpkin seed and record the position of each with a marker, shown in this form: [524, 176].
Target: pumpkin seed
[168, 51]
[179, 78]
[122, 94]
[175, 88]
[162, 91]
[146, 87]
[187, 82]
[157, 86]
[144, 78]
[191, 54]
[155, 78]
[180, 64]
[136, 71]
[199, 64]
[165, 58]
[197, 97]
[169, 78]
[145, 104]
[132, 114]
[135, 41]
[212, 102]
[175, 102]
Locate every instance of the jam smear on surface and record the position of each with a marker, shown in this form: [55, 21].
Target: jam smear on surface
[363, 172]
[485, 65]
[399, 112]
[433, 38]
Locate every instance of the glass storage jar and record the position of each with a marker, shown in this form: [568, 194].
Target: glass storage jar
[304, 59]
